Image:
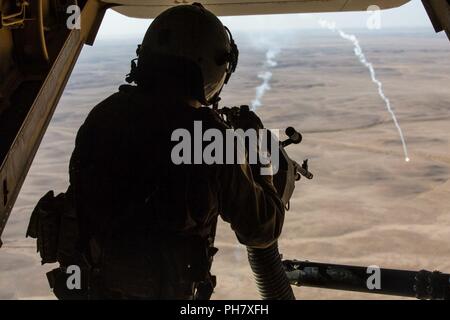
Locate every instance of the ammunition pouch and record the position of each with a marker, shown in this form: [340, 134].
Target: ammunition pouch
[127, 263]
[54, 224]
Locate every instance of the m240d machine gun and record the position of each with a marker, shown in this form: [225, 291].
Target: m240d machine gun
[274, 277]
[421, 285]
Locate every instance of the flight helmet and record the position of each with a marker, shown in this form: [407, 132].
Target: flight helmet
[188, 50]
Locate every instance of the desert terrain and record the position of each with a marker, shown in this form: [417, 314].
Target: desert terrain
[365, 206]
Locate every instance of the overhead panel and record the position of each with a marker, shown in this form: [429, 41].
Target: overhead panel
[151, 8]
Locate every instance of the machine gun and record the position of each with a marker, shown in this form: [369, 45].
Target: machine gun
[288, 171]
[422, 284]
[269, 272]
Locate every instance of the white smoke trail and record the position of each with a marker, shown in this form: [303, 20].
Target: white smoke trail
[266, 76]
[362, 58]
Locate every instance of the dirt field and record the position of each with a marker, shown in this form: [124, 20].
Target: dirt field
[365, 206]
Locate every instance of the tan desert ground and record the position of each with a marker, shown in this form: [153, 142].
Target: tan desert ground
[365, 206]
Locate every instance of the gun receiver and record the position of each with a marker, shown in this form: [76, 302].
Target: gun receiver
[289, 170]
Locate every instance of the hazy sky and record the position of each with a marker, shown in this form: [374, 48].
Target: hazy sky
[410, 15]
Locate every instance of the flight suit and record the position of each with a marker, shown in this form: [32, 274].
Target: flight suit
[146, 223]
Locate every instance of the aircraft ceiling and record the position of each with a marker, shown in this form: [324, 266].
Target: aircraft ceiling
[151, 8]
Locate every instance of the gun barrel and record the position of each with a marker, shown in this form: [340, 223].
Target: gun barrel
[422, 284]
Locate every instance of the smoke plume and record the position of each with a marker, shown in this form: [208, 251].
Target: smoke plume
[362, 58]
[266, 76]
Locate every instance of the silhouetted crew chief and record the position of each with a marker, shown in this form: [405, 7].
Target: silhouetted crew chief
[146, 225]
